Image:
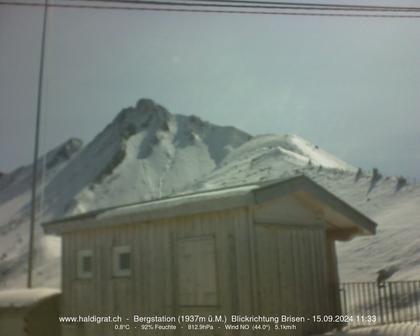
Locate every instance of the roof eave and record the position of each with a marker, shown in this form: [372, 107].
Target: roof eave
[302, 183]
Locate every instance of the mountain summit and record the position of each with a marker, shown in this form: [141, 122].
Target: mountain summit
[146, 153]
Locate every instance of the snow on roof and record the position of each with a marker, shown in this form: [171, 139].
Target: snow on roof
[20, 298]
[182, 200]
[185, 199]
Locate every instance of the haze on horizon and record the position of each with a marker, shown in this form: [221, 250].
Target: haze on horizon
[349, 85]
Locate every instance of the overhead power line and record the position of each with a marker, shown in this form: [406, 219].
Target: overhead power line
[272, 8]
[262, 5]
[303, 5]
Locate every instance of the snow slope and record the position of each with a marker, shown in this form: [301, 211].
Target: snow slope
[398, 329]
[146, 153]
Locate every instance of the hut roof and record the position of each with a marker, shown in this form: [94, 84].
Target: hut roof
[337, 212]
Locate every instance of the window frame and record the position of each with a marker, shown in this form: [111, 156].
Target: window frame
[117, 271]
[81, 272]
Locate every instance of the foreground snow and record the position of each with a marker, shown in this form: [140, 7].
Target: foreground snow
[18, 298]
[399, 329]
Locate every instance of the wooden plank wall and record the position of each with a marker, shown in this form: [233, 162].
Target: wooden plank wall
[290, 266]
[151, 289]
[292, 274]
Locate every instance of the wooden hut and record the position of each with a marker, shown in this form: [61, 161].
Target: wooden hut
[252, 250]
[29, 312]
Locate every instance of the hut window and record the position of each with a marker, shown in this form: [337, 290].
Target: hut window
[122, 261]
[85, 264]
[196, 271]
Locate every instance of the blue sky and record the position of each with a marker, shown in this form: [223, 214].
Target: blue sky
[349, 85]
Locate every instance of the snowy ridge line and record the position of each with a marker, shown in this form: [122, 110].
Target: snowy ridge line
[94, 213]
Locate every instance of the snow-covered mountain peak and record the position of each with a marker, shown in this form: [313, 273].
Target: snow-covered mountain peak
[52, 161]
[147, 125]
[273, 150]
[63, 152]
[316, 155]
[155, 122]
[146, 114]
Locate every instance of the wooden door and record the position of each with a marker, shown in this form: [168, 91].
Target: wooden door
[196, 280]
